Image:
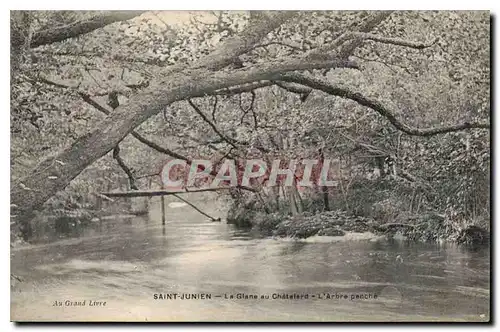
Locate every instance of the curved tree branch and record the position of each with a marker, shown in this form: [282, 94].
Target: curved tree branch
[394, 41]
[196, 208]
[128, 171]
[347, 43]
[89, 100]
[244, 42]
[243, 88]
[134, 133]
[296, 48]
[377, 106]
[76, 29]
[197, 80]
[230, 141]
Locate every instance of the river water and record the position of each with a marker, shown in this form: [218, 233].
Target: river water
[126, 261]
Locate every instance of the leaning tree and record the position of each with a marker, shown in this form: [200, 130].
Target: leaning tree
[231, 54]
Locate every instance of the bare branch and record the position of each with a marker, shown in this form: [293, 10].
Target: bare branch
[243, 88]
[148, 175]
[294, 88]
[194, 207]
[119, 160]
[89, 100]
[250, 108]
[296, 48]
[230, 141]
[394, 41]
[388, 65]
[191, 83]
[214, 108]
[370, 23]
[76, 29]
[104, 197]
[346, 42]
[377, 106]
[244, 42]
[134, 133]
[151, 193]
[158, 148]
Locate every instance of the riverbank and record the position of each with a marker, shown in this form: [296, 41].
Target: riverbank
[338, 223]
[48, 226]
[125, 263]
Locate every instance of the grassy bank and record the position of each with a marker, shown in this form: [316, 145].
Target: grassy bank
[379, 207]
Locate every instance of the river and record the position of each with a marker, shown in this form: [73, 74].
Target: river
[126, 261]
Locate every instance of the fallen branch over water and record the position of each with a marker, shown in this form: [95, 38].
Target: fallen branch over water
[104, 197]
[197, 209]
[151, 193]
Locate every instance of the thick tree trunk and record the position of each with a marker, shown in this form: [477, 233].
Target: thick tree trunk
[180, 82]
[55, 173]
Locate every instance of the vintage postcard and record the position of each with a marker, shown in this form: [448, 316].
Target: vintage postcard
[250, 166]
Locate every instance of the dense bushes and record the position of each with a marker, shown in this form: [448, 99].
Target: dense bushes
[389, 205]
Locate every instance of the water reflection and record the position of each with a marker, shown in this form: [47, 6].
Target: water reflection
[126, 260]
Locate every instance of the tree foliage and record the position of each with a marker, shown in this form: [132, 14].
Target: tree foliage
[411, 88]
